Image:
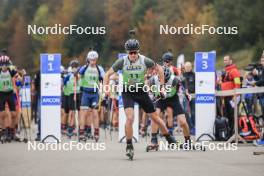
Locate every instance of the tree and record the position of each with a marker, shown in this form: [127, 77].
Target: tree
[20, 45]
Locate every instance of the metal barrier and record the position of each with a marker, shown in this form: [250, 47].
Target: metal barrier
[236, 137]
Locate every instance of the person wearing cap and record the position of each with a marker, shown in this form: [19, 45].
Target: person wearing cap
[170, 102]
[91, 76]
[230, 80]
[167, 59]
[72, 84]
[259, 78]
[134, 68]
[7, 96]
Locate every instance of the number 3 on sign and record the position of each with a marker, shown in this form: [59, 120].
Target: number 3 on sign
[204, 64]
[50, 66]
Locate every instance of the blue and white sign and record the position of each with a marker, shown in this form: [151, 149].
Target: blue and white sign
[25, 94]
[50, 63]
[205, 94]
[122, 115]
[121, 55]
[50, 96]
[205, 98]
[51, 100]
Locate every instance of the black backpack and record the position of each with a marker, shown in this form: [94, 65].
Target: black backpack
[221, 129]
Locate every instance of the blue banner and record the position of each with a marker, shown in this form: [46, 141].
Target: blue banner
[121, 55]
[205, 98]
[50, 63]
[205, 61]
[50, 100]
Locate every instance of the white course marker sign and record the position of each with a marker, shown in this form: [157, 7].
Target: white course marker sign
[205, 94]
[50, 97]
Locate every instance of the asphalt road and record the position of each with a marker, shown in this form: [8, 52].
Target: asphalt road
[17, 160]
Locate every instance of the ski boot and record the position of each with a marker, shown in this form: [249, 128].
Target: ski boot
[170, 139]
[82, 138]
[96, 137]
[88, 133]
[89, 136]
[143, 131]
[8, 137]
[70, 132]
[1, 136]
[63, 130]
[17, 138]
[130, 151]
[154, 146]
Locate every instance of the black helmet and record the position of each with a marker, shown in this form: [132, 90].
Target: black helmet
[167, 73]
[132, 44]
[168, 56]
[74, 63]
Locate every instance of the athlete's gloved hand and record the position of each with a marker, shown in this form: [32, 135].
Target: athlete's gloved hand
[189, 97]
[163, 93]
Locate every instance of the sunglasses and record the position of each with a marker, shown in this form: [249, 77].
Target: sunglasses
[167, 61]
[133, 52]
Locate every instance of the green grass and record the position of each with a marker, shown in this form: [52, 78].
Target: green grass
[241, 58]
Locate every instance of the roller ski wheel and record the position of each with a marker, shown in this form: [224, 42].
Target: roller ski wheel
[69, 135]
[82, 139]
[152, 147]
[96, 138]
[143, 131]
[17, 139]
[64, 132]
[1, 137]
[8, 139]
[130, 152]
[89, 136]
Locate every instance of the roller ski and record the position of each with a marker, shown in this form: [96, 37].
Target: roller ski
[130, 151]
[7, 136]
[96, 138]
[96, 134]
[64, 130]
[70, 133]
[143, 131]
[89, 136]
[82, 138]
[154, 146]
[2, 137]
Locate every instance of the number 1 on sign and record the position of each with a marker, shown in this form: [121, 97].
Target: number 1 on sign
[50, 66]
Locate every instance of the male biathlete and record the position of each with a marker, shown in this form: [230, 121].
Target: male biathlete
[73, 84]
[7, 76]
[170, 102]
[134, 67]
[91, 75]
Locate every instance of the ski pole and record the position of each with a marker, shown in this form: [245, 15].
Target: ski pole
[75, 108]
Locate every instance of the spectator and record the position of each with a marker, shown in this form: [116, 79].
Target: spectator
[189, 84]
[230, 80]
[249, 98]
[259, 77]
